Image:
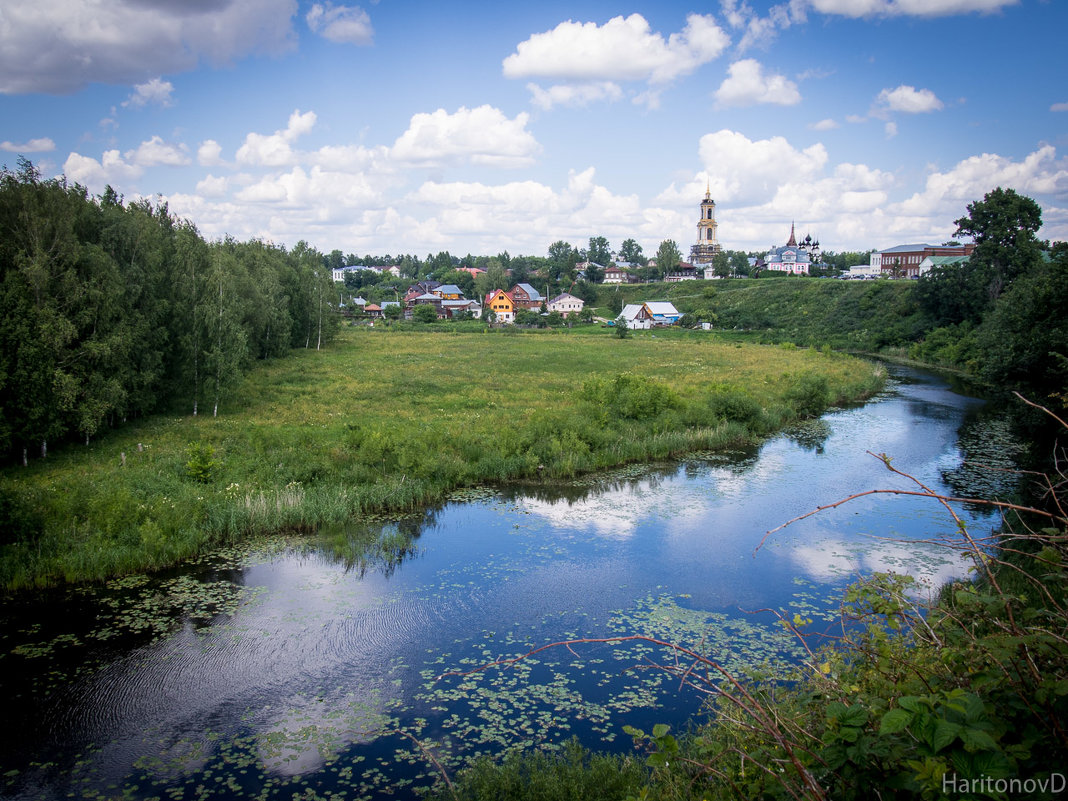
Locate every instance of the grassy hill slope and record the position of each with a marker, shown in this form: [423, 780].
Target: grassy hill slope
[854, 315]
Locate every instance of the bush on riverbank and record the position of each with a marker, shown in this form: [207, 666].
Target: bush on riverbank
[390, 419]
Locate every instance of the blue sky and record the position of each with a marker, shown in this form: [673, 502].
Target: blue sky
[415, 127]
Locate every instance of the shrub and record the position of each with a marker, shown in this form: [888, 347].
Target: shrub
[634, 397]
[810, 395]
[733, 404]
[424, 313]
[201, 464]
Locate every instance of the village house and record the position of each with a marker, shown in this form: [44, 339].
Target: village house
[524, 296]
[454, 308]
[568, 305]
[448, 292]
[661, 312]
[420, 288]
[338, 273]
[683, 272]
[617, 274]
[636, 316]
[502, 305]
[903, 261]
[427, 298]
[474, 272]
[933, 262]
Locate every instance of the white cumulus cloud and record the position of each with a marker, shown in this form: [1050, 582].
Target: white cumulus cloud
[274, 150]
[209, 154]
[748, 85]
[155, 152]
[156, 91]
[349, 24]
[579, 94]
[623, 49]
[947, 193]
[111, 169]
[482, 135]
[43, 145]
[742, 171]
[211, 186]
[910, 100]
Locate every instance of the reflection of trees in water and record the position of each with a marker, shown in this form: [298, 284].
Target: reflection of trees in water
[576, 490]
[377, 545]
[991, 453]
[810, 434]
[643, 477]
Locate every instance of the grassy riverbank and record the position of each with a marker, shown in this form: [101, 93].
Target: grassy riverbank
[393, 420]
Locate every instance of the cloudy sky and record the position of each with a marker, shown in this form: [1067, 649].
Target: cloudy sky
[412, 127]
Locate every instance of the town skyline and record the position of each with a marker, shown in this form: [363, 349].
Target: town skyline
[401, 127]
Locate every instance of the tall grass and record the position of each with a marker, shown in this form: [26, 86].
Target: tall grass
[394, 420]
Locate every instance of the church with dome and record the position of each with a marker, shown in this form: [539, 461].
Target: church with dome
[793, 257]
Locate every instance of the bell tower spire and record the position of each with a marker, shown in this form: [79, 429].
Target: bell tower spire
[707, 246]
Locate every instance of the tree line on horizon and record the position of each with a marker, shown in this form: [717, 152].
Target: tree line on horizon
[113, 310]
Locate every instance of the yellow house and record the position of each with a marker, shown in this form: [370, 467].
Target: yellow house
[502, 305]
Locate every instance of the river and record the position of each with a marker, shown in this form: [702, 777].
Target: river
[314, 666]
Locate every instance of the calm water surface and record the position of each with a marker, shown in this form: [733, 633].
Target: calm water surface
[282, 668]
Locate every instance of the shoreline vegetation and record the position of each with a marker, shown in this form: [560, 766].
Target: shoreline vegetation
[390, 420]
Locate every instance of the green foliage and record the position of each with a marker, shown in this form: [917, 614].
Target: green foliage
[201, 465]
[730, 403]
[1025, 340]
[668, 257]
[622, 330]
[19, 520]
[425, 313]
[810, 395]
[857, 315]
[528, 317]
[951, 346]
[634, 397]
[111, 311]
[630, 251]
[574, 773]
[1003, 225]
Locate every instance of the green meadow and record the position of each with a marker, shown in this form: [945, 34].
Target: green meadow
[392, 419]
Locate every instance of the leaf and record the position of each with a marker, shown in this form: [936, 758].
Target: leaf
[660, 729]
[977, 740]
[944, 734]
[910, 703]
[894, 721]
[855, 715]
[657, 760]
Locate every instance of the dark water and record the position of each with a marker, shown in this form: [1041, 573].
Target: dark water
[284, 669]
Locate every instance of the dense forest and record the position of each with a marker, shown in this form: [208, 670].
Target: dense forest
[110, 310]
